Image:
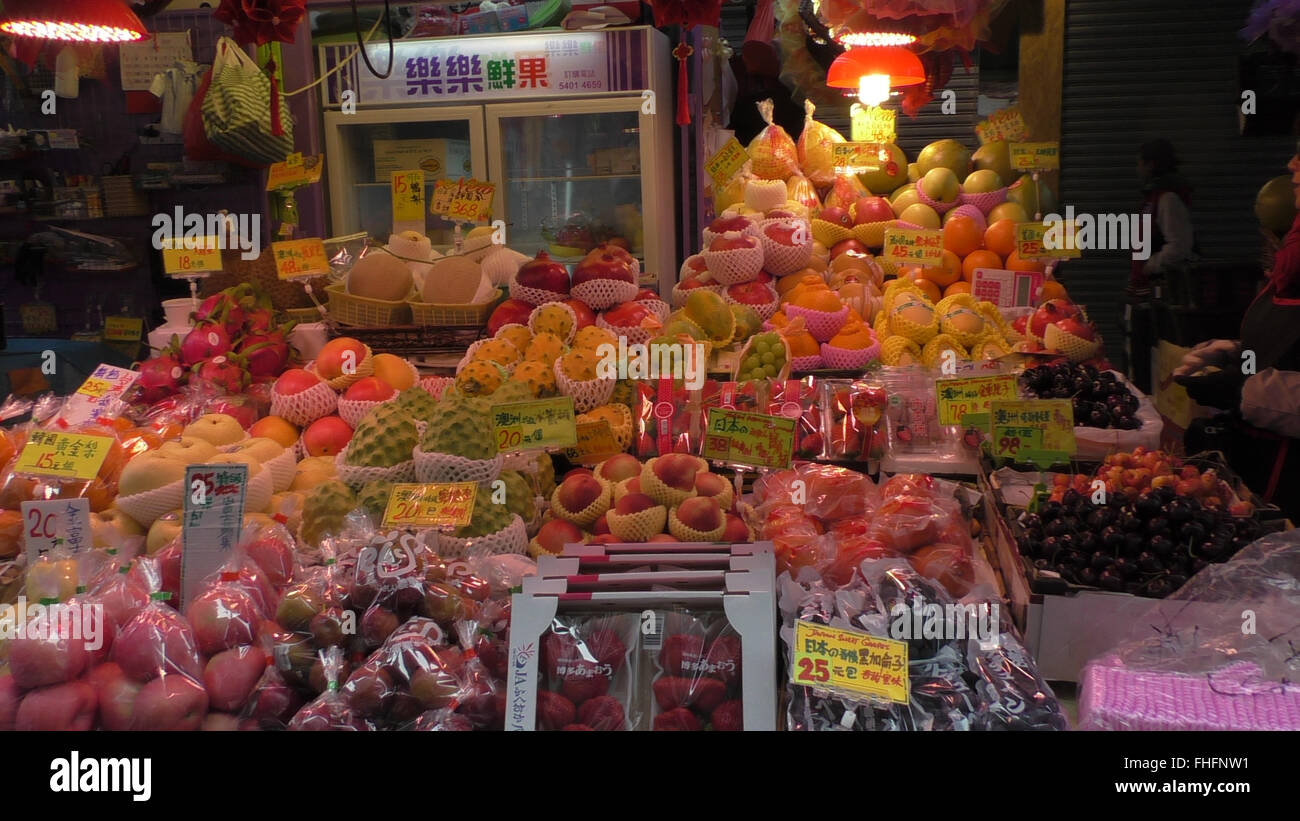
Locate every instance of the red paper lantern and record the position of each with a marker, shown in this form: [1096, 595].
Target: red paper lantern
[86, 21]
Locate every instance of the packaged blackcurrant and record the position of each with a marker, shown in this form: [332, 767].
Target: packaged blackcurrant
[330, 711]
[587, 673]
[698, 674]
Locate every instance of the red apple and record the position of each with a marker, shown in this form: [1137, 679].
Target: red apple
[295, 380]
[40, 657]
[510, 312]
[116, 691]
[646, 293]
[633, 485]
[578, 472]
[692, 282]
[157, 642]
[601, 525]
[677, 470]
[733, 242]
[700, 513]
[231, 675]
[581, 310]
[620, 467]
[1019, 324]
[751, 293]
[578, 492]
[170, 703]
[788, 232]
[544, 274]
[781, 214]
[221, 618]
[556, 533]
[1053, 310]
[847, 245]
[872, 209]
[63, 707]
[735, 222]
[605, 266]
[370, 389]
[326, 436]
[340, 357]
[837, 215]
[1072, 325]
[695, 262]
[628, 315]
[634, 503]
[764, 277]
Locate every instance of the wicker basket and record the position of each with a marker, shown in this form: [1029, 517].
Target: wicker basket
[303, 315]
[285, 294]
[443, 316]
[347, 309]
[122, 198]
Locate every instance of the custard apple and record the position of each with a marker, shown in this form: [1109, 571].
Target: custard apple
[488, 517]
[324, 510]
[373, 498]
[384, 438]
[462, 427]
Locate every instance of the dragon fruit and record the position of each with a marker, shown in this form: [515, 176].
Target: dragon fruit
[267, 352]
[160, 377]
[221, 308]
[224, 372]
[259, 321]
[204, 342]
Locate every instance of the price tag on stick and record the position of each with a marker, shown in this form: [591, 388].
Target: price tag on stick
[191, 256]
[408, 196]
[213, 520]
[753, 439]
[433, 505]
[914, 246]
[1033, 430]
[595, 443]
[300, 258]
[850, 662]
[958, 397]
[725, 164]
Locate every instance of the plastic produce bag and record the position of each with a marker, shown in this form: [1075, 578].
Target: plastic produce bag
[330, 711]
[772, 153]
[585, 668]
[698, 680]
[815, 147]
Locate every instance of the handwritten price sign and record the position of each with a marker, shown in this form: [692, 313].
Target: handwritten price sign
[295, 171]
[473, 201]
[859, 156]
[1038, 240]
[727, 163]
[192, 256]
[871, 124]
[1035, 156]
[1032, 430]
[544, 423]
[850, 662]
[435, 505]
[408, 196]
[754, 439]
[1004, 124]
[444, 191]
[958, 397]
[595, 443]
[122, 329]
[914, 246]
[300, 258]
[73, 456]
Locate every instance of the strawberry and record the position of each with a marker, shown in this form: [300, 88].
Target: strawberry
[556, 647]
[583, 680]
[681, 654]
[729, 716]
[578, 728]
[602, 713]
[708, 693]
[679, 719]
[723, 659]
[553, 710]
[704, 693]
[607, 648]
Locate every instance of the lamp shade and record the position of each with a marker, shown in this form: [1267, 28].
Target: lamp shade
[900, 65]
[86, 21]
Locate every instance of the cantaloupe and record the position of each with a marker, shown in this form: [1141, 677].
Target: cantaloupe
[380, 275]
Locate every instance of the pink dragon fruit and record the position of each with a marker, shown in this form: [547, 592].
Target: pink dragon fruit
[267, 352]
[224, 372]
[258, 321]
[160, 377]
[222, 308]
[204, 342]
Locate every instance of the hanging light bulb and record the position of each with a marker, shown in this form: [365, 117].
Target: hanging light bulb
[873, 89]
[873, 70]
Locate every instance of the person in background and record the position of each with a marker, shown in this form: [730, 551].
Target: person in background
[1264, 431]
[1166, 196]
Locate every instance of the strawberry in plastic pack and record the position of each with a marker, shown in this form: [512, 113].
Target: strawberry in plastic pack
[665, 421]
[855, 412]
[696, 685]
[587, 681]
[798, 399]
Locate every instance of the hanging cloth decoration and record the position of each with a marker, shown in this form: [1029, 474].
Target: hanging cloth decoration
[685, 13]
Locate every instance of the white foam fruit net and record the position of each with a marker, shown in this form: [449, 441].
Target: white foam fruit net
[355, 476]
[511, 539]
[366, 367]
[764, 311]
[353, 411]
[605, 293]
[735, 266]
[304, 407]
[586, 394]
[447, 467]
[821, 324]
[535, 296]
[147, 507]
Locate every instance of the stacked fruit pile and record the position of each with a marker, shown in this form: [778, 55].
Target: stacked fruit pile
[915, 331]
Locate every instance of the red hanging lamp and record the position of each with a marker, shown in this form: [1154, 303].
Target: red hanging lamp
[83, 21]
[873, 70]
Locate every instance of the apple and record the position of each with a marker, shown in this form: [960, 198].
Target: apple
[847, 245]
[63, 707]
[695, 263]
[677, 470]
[155, 642]
[630, 314]
[582, 311]
[378, 624]
[170, 702]
[620, 467]
[788, 232]
[634, 503]
[369, 689]
[40, 657]
[646, 293]
[294, 381]
[1072, 325]
[751, 293]
[340, 357]
[556, 533]
[297, 608]
[734, 222]
[222, 723]
[840, 216]
[370, 389]
[577, 493]
[701, 513]
[221, 618]
[326, 436]
[604, 538]
[271, 549]
[1051, 311]
[692, 282]
[231, 675]
[543, 274]
[872, 209]
[605, 266]
[510, 312]
[578, 472]
[121, 597]
[733, 242]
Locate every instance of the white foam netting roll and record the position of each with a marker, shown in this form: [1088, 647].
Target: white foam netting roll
[764, 311]
[282, 469]
[821, 324]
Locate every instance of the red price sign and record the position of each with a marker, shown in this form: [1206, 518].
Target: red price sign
[1009, 445]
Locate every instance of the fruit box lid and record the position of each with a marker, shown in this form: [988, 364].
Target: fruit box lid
[667, 548]
[554, 566]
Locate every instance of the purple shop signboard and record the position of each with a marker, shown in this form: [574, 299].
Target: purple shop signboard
[472, 69]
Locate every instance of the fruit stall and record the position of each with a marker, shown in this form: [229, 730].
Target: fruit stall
[855, 460]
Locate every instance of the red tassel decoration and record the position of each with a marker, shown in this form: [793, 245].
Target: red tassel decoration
[683, 52]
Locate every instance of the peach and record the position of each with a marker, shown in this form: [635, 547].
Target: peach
[633, 503]
[601, 525]
[556, 533]
[579, 491]
[326, 436]
[677, 470]
[620, 467]
[710, 484]
[700, 513]
[737, 531]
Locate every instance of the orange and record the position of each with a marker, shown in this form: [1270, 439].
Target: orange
[850, 259]
[960, 287]
[276, 429]
[853, 336]
[952, 262]
[943, 277]
[978, 259]
[11, 533]
[1015, 263]
[1052, 290]
[785, 283]
[817, 299]
[962, 235]
[779, 320]
[929, 288]
[1000, 238]
[803, 344]
[393, 370]
[7, 449]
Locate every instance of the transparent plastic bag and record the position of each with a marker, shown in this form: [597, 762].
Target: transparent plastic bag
[815, 147]
[330, 711]
[697, 685]
[772, 153]
[584, 659]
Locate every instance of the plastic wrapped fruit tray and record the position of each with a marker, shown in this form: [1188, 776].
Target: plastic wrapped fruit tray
[415, 339]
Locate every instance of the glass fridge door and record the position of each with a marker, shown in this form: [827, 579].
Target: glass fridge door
[569, 175]
[364, 148]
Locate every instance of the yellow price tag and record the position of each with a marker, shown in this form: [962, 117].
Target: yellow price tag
[95, 387]
[123, 329]
[872, 124]
[294, 171]
[1004, 124]
[859, 156]
[191, 256]
[543, 423]
[1041, 240]
[1033, 430]
[850, 662]
[300, 258]
[914, 246]
[408, 196]
[72, 456]
[1035, 156]
[727, 163]
[754, 439]
[472, 201]
[595, 443]
[958, 397]
[449, 504]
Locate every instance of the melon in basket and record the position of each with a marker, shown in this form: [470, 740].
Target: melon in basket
[455, 281]
[380, 275]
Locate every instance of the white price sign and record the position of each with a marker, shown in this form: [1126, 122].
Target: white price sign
[52, 522]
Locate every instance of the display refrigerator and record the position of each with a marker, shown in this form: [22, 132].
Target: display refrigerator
[575, 129]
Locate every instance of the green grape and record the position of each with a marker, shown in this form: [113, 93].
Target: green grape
[767, 358]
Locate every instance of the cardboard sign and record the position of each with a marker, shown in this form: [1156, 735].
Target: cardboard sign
[52, 522]
[295, 171]
[444, 191]
[1032, 430]
[849, 662]
[300, 258]
[213, 518]
[872, 124]
[958, 397]
[914, 246]
[105, 384]
[191, 256]
[1038, 240]
[123, 329]
[1007, 289]
[1004, 124]
[408, 196]
[1043, 156]
[448, 504]
[472, 201]
[76, 457]
[859, 156]
[595, 443]
[543, 423]
[727, 163]
[754, 439]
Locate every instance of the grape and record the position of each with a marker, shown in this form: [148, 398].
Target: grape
[767, 358]
[769, 370]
